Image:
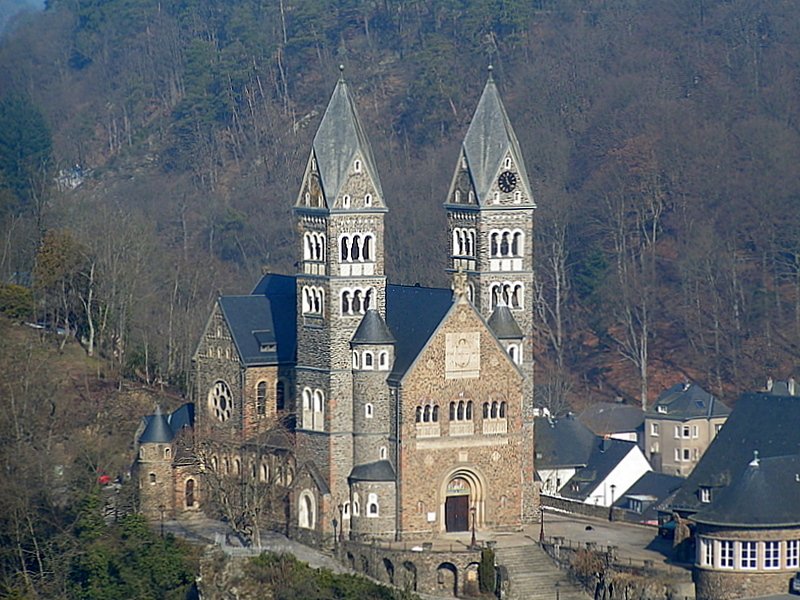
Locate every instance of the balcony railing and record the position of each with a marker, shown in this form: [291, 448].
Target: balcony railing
[495, 426]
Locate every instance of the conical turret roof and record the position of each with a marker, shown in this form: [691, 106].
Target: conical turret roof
[339, 139]
[489, 139]
[372, 330]
[158, 430]
[504, 325]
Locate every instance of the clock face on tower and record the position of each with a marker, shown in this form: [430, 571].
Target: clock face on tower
[507, 181]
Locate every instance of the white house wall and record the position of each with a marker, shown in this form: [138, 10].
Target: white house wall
[550, 478]
[623, 476]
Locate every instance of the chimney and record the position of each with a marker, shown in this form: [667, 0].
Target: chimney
[792, 385]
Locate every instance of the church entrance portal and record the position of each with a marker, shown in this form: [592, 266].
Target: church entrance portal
[456, 505]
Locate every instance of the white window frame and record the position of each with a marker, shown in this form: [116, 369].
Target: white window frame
[369, 410]
[772, 554]
[792, 554]
[357, 166]
[372, 502]
[705, 495]
[654, 429]
[748, 555]
[726, 554]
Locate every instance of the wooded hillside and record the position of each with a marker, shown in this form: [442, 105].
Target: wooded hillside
[661, 137]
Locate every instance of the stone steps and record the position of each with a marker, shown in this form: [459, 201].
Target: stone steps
[533, 575]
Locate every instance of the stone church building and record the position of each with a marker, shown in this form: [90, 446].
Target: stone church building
[386, 411]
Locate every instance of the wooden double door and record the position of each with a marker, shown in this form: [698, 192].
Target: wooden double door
[456, 513]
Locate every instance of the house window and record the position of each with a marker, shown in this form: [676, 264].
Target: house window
[686, 431]
[372, 505]
[705, 553]
[654, 429]
[748, 555]
[661, 409]
[677, 455]
[383, 360]
[717, 427]
[694, 431]
[428, 413]
[772, 555]
[792, 554]
[368, 360]
[461, 411]
[705, 495]
[686, 454]
[261, 398]
[677, 432]
[368, 410]
[726, 554]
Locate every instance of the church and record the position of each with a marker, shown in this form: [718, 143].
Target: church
[361, 408]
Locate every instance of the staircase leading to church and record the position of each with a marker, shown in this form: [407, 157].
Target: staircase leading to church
[533, 575]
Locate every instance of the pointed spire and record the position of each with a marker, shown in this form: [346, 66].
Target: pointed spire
[372, 330]
[489, 139]
[503, 323]
[158, 430]
[339, 140]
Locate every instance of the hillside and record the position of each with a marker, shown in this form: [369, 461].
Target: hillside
[661, 139]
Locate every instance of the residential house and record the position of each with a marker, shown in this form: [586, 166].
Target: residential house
[615, 420]
[679, 426]
[562, 447]
[640, 502]
[612, 468]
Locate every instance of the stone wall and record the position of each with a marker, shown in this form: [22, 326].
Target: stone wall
[589, 510]
[438, 573]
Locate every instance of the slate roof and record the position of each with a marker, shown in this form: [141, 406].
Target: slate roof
[157, 430]
[263, 324]
[372, 330]
[503, 324]
[488, 139]
[658, 486]
[339, 138]
[766, 494]
[605, 418]
[683, 402]
[413, 314]
[605, 456]
[761, 421]
[561, 443]
[381, 470]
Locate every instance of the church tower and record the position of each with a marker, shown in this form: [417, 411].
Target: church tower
[339, 217]
[490, 216]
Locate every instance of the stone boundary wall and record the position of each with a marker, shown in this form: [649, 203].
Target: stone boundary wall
[416, 568]
[589, 510]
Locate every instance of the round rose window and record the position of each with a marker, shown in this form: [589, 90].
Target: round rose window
[220, 401]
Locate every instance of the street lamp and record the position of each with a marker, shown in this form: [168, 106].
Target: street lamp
[541, 524]
[611, 506]
[341, 522]
[472, 543]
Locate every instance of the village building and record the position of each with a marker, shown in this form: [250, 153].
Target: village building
[351, 406]
[680, 426]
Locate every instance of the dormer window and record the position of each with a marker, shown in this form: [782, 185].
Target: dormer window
[266, 341]
[661, 409]
[705, 495]
[357, 166]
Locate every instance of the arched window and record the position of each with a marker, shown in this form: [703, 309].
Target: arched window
[368, 360]
[308, 409]
[426, 414]
[189, 493]
[468, 414]
[512, 352]
[460, 411]
[368, 200]
[435, 414]
[367, 254]
[494, 246]
[383, 360]
[306, 514]
[517, 243]
[357, 166]
[237, 466]
[419, 414]
[502, 410]
[261, 398]
[355, 359]
[494, 410]
[152, 478]
[485, 410]
[264, 474]
[507, 163]
[346, 201]
[280, 395]
[452, 411]
[356, 505]
[167, 453]
[344, 245]
[383, 453]
[368, 410]
[457, 196]
[319, 408]
[372, 505]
